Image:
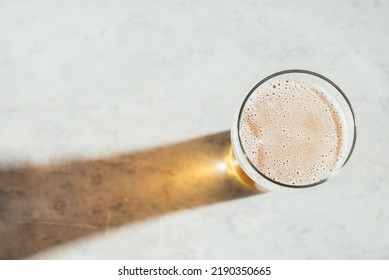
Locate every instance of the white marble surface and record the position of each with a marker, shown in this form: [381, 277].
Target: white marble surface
[83, 80]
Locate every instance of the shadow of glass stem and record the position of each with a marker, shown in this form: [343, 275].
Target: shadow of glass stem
[44, 206]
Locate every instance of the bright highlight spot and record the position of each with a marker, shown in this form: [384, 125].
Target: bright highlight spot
[221, 166]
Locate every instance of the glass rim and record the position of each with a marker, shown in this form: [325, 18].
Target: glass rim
[298, 71]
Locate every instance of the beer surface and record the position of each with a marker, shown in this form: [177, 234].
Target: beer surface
[292, 132]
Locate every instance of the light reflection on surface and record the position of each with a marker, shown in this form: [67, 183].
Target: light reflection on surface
[233, 169]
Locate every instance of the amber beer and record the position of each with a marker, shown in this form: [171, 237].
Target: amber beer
[295, 129]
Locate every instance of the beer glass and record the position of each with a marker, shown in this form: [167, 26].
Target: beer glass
[249, 170]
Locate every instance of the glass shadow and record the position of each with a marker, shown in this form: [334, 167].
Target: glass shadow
[45, 206]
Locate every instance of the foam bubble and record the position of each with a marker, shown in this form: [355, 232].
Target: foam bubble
[292, 132]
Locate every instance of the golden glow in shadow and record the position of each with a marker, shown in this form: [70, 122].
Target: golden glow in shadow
[233, 168]
[224, 166]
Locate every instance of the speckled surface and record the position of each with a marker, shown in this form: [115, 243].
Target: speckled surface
[114, 119]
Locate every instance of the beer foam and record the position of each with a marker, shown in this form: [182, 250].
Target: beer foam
[293, 132]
